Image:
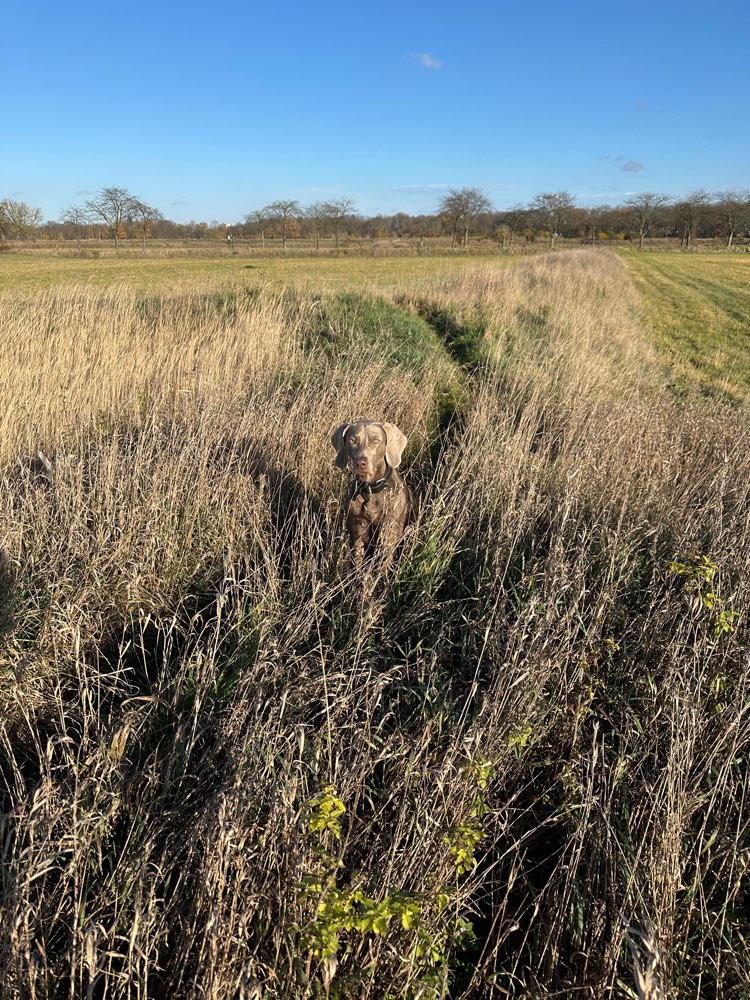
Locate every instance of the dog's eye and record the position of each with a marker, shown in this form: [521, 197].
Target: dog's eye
[376, 440]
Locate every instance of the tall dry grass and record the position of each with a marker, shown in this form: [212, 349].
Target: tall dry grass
[512, 765]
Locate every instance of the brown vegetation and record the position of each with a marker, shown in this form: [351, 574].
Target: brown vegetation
[463, 215]
[229, 770]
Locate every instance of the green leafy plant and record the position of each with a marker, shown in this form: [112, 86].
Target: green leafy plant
[465, 837]
[426, 917]
[698, 572]
[325, 812]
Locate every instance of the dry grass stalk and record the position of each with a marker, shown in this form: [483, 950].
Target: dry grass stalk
[187, 669]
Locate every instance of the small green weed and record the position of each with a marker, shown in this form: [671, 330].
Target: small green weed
[430, 919]
[698, 572]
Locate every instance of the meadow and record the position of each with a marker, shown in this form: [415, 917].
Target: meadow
[698, 310]
[512, 764]
[167, 269]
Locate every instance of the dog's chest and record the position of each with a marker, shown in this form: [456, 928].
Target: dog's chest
[366, 511]
[368, 514]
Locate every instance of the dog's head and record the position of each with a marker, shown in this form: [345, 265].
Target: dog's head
[368, 447]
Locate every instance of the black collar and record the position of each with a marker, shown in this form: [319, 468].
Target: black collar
[365, 490]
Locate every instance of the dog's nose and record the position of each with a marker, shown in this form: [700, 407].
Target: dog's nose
[361, 464]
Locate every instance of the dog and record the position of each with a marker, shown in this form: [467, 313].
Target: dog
[378, 502]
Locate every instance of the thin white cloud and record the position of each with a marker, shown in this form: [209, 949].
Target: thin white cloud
[588, 195]
[421, 187]
[428, 62]
[632, 167]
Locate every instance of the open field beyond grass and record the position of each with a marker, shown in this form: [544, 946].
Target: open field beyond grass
[698, 306]
[37, 271]
[513, 764]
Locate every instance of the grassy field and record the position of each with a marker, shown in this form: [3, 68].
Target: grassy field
[513, 764]
[698, 306]
[36, 271]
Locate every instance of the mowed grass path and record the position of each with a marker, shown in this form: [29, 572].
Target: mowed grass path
[698, 307]
[32, 272]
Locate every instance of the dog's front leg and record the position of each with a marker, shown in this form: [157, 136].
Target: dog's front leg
[358, 526]
[357, 555]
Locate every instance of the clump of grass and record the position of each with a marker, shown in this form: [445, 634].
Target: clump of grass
[363, 331]
[230, 768]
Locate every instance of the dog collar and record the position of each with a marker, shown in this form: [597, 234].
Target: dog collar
[367, 489]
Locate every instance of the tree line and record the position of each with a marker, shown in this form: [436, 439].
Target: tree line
[115, 213]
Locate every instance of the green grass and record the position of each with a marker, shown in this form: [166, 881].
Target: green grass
[350, 320]
[356, 327]
[698, 307]
[35, 271]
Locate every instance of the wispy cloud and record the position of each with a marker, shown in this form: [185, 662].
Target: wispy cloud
[640, 105]
[588, 195]
[416, 188]
[427, 61]
[630, 166]
[180, 203]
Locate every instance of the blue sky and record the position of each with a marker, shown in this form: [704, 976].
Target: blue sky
[210, 110]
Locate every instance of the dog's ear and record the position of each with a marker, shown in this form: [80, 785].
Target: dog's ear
[395, 442]
[338, 440]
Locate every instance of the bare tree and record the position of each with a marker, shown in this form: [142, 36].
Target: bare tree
[17, 219]
[144, 216]
[337, 211]
[77, 217]
[317, 215]
[259, 217]
[688, 214]
[425, 225]
[514, 220]
[282, 212]
[553, 208]
[646, 209]
[593, 220]
[114, 207]
[461, 206]
[734, 209]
